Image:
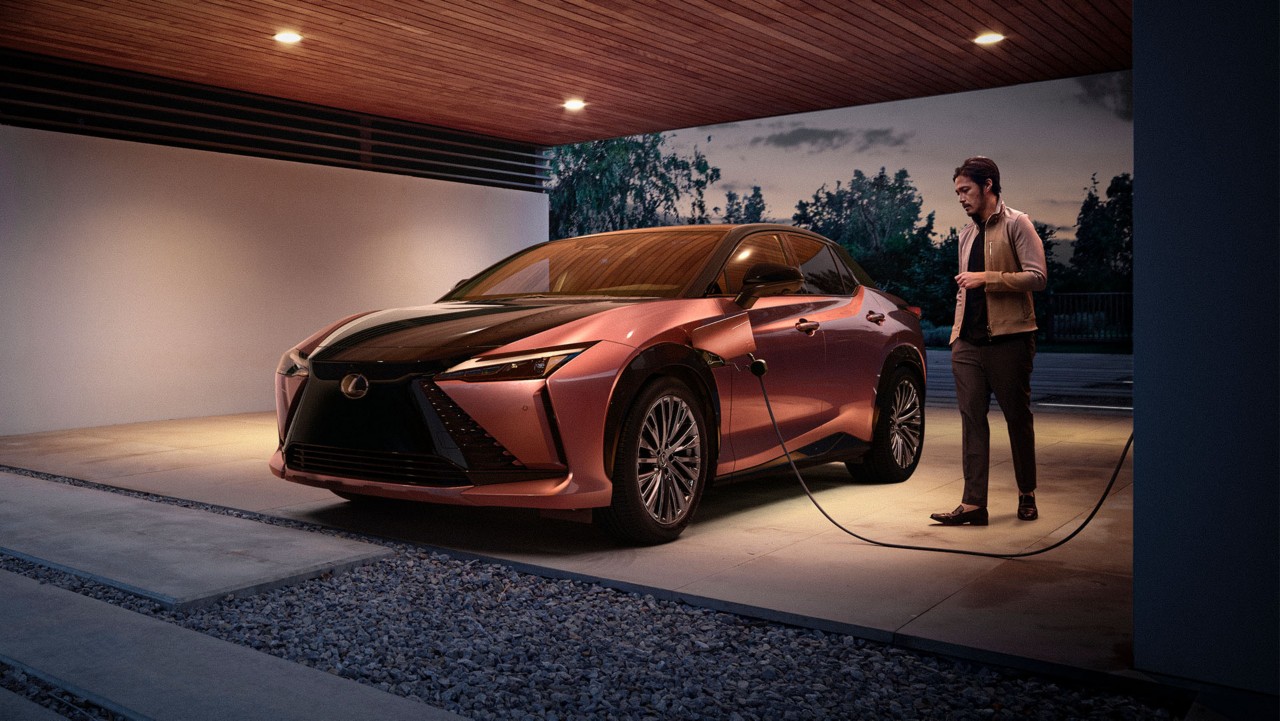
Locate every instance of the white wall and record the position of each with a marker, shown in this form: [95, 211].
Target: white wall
[139, 282]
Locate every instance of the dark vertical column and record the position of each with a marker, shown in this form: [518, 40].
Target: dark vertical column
[1207, 314]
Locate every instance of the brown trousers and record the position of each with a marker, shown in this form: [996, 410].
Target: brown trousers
[1003, 368]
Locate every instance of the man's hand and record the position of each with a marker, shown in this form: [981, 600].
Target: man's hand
[968, 280]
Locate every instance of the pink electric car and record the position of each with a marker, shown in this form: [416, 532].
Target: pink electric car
[611, 375]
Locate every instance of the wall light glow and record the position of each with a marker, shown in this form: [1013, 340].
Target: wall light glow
[288, 37]
[573, 105]
[988, 38]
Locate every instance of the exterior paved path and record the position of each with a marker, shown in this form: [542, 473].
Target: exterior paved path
[1060, 381]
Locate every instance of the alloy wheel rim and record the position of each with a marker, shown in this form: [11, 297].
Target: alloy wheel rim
[906, 421]
[669, 459]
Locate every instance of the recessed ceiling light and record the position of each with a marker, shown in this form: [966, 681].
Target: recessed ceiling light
[988, 38]
[288, 37]
[573, 105]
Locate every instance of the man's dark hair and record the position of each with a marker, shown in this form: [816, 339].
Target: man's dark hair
[980, 170]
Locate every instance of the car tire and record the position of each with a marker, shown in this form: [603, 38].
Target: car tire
[661, 465]
[898, 438]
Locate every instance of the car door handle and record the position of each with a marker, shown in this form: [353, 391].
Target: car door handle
[808, 327]
[875, 317]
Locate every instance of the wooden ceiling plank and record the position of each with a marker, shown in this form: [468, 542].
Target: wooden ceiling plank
[1060, 12]
[943, 50]
[1108, 24]
[1120, 15]
[413, 71]
[1038, 51]
[730, 53]
[656, 77]
[1030, 30]
[646, 64]
[866, 70]
[862, 28]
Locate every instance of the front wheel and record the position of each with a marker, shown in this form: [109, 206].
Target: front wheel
[661, 467]
[899, 433]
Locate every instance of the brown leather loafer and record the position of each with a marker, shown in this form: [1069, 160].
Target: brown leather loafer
[959, 517]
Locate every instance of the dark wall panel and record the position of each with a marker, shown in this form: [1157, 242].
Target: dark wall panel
[1206, 214]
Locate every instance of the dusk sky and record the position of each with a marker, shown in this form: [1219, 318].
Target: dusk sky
[1048, 138]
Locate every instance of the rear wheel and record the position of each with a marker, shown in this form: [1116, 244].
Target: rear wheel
[899, 433]
[661, 466]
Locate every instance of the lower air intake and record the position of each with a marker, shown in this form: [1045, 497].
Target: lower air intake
[385, 466]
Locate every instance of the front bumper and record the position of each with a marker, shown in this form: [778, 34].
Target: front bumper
[526, 443]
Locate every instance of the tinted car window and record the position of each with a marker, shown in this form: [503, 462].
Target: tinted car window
[822, 274]
[647, 264]
[760, 248]
[847, 262]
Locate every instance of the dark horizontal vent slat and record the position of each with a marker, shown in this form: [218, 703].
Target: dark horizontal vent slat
[52, 94]
[375, 465]
[401, 468]
[129, 113]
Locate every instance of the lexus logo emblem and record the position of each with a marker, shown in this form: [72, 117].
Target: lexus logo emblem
[355, 386]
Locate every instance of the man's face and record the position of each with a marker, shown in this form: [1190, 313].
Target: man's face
[974, 198]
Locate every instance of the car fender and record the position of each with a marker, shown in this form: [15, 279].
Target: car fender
[663, 359]
[904, 354]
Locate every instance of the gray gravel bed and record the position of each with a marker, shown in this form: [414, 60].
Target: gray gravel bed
[488, 642]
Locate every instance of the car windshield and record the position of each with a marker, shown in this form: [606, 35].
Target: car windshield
[659, 264]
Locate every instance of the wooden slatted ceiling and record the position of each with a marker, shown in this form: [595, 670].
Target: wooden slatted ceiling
[504, 67]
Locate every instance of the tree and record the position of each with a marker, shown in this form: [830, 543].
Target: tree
[1057, 271]
[878, 219]
[930, 277]
[872, 215]
[737, 210]
[1058, 274]
[1102, 259]
[623, 183]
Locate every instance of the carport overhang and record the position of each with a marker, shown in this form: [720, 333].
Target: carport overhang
[1205, 108]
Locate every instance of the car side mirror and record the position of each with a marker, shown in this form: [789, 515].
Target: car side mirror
[765, 279]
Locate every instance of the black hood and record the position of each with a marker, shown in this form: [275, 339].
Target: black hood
[445, 333]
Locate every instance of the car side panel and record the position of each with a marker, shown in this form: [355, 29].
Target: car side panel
[856, 349]
[796, 361]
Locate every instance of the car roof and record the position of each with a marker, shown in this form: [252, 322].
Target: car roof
[735, 230]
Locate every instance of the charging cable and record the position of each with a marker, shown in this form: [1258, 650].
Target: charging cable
[759, 368]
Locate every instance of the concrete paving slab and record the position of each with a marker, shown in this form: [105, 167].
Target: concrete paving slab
[756, 547]
[1032, 611]
[19, 708]
[841, 583]
[179, 557]
[146, 668]
[243, 484]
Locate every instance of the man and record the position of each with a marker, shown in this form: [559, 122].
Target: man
[993, 339]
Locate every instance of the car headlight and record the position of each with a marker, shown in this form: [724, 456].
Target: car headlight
[294, 364]
[526, 366]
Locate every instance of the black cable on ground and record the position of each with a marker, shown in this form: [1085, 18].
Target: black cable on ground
[758, 368]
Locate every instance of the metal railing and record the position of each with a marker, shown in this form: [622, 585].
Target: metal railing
[1087, 317]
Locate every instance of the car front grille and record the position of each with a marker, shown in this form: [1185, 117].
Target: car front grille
[388, 467]
[405, 432]
[482, 451]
